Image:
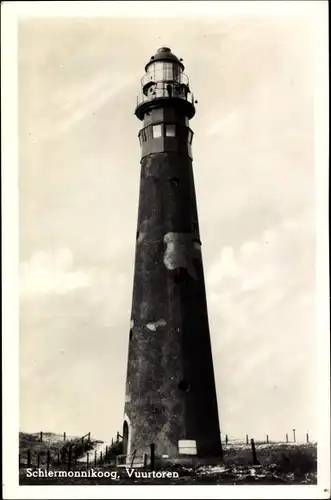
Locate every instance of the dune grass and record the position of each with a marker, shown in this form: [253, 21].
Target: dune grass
[279, 463]
[52, 443]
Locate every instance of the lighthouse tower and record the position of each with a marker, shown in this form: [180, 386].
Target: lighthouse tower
[170, 389]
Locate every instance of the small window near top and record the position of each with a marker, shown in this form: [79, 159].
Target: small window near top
[157, 131]
[170, 130]
[190, 136]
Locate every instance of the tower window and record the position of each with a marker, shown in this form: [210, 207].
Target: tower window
[170, 130]
[190, 136]
[157, 131]
[146, 134]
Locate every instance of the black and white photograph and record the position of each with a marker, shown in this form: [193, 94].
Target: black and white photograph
[165, 231]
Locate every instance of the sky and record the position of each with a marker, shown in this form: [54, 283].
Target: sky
[79, 161]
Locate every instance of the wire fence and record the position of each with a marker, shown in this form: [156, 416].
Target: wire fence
[288, 438]
[78, 453]
[68, 454]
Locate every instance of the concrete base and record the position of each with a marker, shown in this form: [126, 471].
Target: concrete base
[191, 461]
[187, 461]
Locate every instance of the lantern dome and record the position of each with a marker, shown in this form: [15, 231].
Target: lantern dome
[164, 54]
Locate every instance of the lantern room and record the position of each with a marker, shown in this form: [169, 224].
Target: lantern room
[164, 66]
[164, 84]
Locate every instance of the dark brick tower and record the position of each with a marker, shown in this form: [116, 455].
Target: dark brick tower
[170, 390]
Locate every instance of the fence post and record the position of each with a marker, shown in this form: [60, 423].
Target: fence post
[29, 458]
[152, 456]
[133, 457]
[145, 459]
[226, 439]
[267, 439]
[69, 457]
[106, 450]
[87, 459]
[100, 457]
[112, 441]
[41, 436]
[89, 437]
[293, 435]
[286, 437]
[255, 460]
[64, 436]
[307, 437]
[246, 438]
[95, 459]
[48, 459]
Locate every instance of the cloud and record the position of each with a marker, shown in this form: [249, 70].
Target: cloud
[226, 266]
[67, 338]
[229, 124]
[261, 310]
[92, 99]
[51, 273]
[253, 168]
[277, 256]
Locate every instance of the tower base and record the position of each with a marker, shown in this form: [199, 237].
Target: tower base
[163, 462]
[187, 461]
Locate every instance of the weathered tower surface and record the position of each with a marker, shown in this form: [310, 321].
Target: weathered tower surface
[170, 389]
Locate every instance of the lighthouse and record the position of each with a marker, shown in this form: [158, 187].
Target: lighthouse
[170, 398]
